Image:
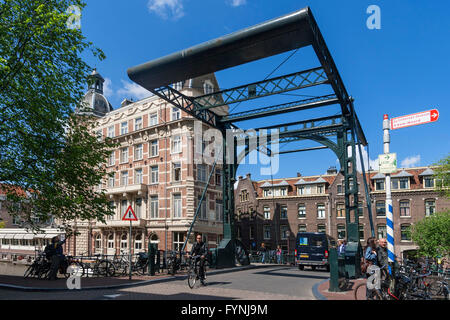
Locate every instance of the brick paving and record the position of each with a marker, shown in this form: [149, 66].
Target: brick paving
[348, 294]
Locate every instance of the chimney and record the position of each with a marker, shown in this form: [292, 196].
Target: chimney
[299, 174]
[240, 177]
[249, 176]
[125, 102]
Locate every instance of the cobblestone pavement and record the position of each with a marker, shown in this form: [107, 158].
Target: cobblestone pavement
[272, 283]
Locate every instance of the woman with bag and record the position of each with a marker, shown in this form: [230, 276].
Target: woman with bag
[370, 255]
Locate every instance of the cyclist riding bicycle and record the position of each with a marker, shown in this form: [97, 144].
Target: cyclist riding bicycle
[199, 251]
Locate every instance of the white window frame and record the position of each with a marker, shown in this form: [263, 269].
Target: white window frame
[124, 155]
[177, 205]
[139, 152]
[123, 127]
[154, 148]
[124, 176]
[138, 176]
[138, 123]
[154, 204]
[154, 175]
[153, 119]
[111, 131]
[175, 145]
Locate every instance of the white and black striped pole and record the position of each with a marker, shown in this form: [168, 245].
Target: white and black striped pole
[389, 211]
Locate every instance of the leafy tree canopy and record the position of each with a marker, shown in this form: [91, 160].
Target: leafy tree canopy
[49, 160]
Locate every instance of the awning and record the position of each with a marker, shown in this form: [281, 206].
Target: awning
[2, 235]
[18, 236]
[8, 235]
[49, 236]
[29, 236]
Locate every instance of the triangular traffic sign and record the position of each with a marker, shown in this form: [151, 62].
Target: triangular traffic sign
[129, 215]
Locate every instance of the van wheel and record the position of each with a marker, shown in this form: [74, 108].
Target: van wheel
[300, 267]
[313, 268]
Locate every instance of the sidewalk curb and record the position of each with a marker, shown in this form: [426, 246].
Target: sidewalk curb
[316, 292]
[128, 285]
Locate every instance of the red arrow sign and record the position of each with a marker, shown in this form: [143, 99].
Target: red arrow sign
[415, 119]
[129, 215]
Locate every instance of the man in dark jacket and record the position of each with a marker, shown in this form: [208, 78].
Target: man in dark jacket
[199, 250]
[382, 253]
[56, 256]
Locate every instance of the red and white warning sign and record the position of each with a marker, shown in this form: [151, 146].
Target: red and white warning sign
[415, 119]
[129, 215]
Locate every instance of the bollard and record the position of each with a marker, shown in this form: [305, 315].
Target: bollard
[152, 247]
[158, 261]
[334, 270]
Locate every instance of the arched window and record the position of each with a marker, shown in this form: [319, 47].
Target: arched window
[98, 242]
[111, 241]
[124, 242]
[138, 242]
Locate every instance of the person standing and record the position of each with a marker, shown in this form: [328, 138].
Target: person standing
[278, 253]
[382, 253]
[55, 255]
[370, 253]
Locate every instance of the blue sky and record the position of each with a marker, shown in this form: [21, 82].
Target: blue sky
[399, 69]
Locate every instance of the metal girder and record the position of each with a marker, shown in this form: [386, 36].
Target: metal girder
[301, 150]
[187, 104]
[282, 108]
[277, 85]
[327, 62]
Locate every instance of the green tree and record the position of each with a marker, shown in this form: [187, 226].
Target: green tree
[442, 176]
[49, 160]
[432, 234]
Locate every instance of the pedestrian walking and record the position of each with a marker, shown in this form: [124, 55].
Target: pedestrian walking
[279, 253]
[54, 252]
[262, 252]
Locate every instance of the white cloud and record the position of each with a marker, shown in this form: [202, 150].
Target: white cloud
[411, 161]
[368, 163]
[107, 88]
[237, 3]
[133, 90]
[166, 8]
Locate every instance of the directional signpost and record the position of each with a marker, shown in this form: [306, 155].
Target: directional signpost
[388, 165]
[415, 119]
[129, 216]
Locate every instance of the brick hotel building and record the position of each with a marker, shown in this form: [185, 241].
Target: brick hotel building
[273, 211]
[153, 171]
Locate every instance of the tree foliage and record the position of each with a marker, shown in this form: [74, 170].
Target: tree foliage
[47, 169]
[432, 234]
[442, 176]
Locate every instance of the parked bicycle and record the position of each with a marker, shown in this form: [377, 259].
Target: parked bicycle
[121, 264]
[408, 284]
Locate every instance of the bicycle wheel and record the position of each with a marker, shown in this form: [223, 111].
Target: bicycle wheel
[360, 293]
[76, 269]
[141, 269]
[106, 268]
[192, 277]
